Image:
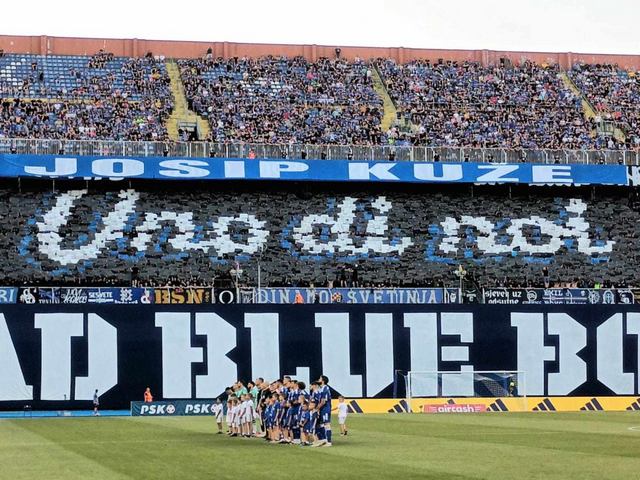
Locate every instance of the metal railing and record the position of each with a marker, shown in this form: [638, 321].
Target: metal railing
[113, 148]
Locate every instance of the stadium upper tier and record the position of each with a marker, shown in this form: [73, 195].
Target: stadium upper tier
[166, 233]
[294, 101]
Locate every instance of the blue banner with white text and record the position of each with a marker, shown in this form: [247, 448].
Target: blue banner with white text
[54, 295]
[172, 168]
[358, 295]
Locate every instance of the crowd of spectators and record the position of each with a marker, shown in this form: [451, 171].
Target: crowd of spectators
[105, 99]
[115, 119]
[100, 59]
[615, 94]
[280, 100]
[468, 105]
[285, 100]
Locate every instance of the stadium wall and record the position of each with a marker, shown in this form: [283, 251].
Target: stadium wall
[48, 45]
[55, 356]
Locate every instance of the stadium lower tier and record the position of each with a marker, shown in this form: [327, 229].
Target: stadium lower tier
[163, 234]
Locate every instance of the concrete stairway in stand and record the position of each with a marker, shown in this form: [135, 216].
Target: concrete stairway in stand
[181, 114]
[389, 109]
[589, 110]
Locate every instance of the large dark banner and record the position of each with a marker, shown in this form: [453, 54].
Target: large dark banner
[56, 356]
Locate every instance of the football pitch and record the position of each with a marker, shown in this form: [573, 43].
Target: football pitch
[587, 445]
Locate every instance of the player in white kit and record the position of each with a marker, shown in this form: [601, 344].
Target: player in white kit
[237, 417]
[342, 415]
[229, 410]
[217, 410]
[247, 415]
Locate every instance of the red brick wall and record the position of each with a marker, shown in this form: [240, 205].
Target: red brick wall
[184, 49]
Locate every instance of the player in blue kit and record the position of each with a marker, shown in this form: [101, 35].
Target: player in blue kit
[294, 393]
[307, 423]
[271, 418]
[314, 392]
[278, 414]
[286, 423]
[302, 391]
[296, 408]
[323, 430]
[268, 419]
[286, 385]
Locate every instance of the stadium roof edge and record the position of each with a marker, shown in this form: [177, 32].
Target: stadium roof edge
[135, 47]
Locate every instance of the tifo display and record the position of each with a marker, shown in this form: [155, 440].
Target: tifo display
[239, 236]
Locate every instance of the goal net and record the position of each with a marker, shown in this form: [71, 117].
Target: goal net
[499, 391]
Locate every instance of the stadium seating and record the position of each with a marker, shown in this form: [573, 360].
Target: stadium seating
[83, 97]
[467, 105]
[280, 100]
[392, 237]
[77, 77]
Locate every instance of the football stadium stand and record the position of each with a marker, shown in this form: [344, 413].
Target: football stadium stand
[300, 104]
[293, 101]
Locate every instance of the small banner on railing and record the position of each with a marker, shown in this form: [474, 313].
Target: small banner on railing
[186, 295]
[54, 295]
[355, 295]
[558, 296]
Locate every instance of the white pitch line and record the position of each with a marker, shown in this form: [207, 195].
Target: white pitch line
[634, 429]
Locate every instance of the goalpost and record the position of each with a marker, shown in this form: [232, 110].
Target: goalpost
[493, 385]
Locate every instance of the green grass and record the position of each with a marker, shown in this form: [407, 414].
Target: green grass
[588, 445]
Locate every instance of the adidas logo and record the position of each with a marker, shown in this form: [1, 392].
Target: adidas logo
[594, 404]
[400, 407]
[497, 406]
[353, 407]
[544, 406]
[635, 405]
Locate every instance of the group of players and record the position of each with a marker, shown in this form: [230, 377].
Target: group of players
[286, 411]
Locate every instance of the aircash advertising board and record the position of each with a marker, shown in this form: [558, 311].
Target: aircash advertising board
[55, 356]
